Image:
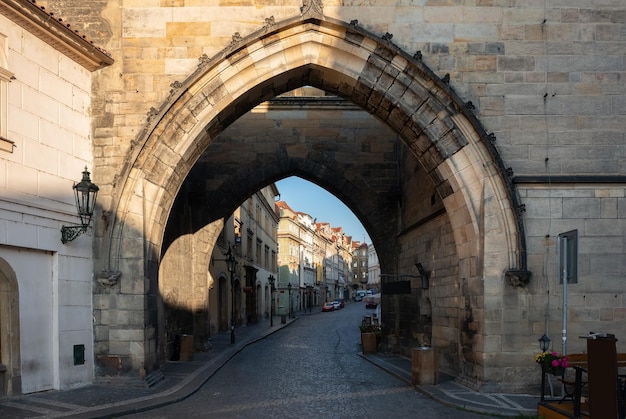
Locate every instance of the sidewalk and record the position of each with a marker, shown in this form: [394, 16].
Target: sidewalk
[181, 379]
[451, 393]
[115, 398]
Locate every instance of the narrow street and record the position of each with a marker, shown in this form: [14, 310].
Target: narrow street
[309, 369]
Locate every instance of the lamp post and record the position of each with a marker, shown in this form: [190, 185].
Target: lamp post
[289, 288]
[85, 193]
[232, 263]
[271, 280]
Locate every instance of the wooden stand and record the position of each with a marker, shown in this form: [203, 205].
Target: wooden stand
[602, 377]
[424, 369]
[368, 342]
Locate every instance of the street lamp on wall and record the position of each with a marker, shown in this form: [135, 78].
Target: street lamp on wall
[85, 193]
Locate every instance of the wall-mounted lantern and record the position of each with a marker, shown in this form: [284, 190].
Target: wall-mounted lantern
[85, 193]
[544, 343]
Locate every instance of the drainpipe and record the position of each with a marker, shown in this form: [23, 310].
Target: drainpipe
[564, 259]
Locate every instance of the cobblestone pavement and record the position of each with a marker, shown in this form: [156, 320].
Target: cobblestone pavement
[307, 367]
[310, 369]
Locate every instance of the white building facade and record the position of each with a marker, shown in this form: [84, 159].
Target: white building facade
[373, 269]
[46, 316]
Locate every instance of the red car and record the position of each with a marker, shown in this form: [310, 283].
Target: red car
[329, 306]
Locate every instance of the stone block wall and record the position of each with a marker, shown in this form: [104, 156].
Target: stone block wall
[545, 79]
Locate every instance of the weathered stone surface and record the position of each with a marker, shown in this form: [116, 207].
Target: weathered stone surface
[555, 107]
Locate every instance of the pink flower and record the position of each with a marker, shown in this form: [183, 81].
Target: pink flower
[555, 362]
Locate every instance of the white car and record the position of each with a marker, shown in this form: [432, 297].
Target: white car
[337, 305]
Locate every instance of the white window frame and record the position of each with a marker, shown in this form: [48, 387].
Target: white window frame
[5, 78]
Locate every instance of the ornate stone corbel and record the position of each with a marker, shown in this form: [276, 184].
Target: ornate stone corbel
[108, 278]
[518, 278]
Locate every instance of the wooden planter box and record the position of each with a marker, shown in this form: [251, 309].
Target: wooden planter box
[368, 343]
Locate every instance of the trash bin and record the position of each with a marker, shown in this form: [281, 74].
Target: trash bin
[186, 348]
[424, 368]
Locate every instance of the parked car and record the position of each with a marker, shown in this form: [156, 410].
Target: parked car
[341, 303]
[371, 301]
[358, 298]
[336, 305]
[329, 306]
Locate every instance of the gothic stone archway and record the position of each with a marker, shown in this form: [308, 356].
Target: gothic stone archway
[445, 140]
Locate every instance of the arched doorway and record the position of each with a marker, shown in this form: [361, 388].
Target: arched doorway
[10, 369]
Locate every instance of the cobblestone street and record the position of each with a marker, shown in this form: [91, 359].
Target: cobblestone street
[310, 369]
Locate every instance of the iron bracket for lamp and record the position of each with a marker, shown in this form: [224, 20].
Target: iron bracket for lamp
[424, 274]
[70, 233]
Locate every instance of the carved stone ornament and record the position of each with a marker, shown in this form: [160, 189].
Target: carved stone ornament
[269, 22]
[152, 113]
[236, 38]
[312, 8]
[518, 278]
[108, 278]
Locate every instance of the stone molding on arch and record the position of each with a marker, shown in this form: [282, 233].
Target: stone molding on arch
[339, 58]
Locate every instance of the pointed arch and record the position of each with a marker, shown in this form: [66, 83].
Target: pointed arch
[344, 60]
[339, 58]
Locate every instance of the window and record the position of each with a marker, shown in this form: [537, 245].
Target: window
[5, 79]
[568, 256]
[249, 249]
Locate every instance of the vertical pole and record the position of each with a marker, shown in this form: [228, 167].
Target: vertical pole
[232, 262]
[565, 274]
[232, 311]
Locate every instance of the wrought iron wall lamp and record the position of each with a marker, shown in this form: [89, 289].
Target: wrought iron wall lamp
[85, 193]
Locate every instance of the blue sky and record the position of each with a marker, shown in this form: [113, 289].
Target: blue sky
[304, 196]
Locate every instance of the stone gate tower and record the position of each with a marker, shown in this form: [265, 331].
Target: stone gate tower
[505, 132]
